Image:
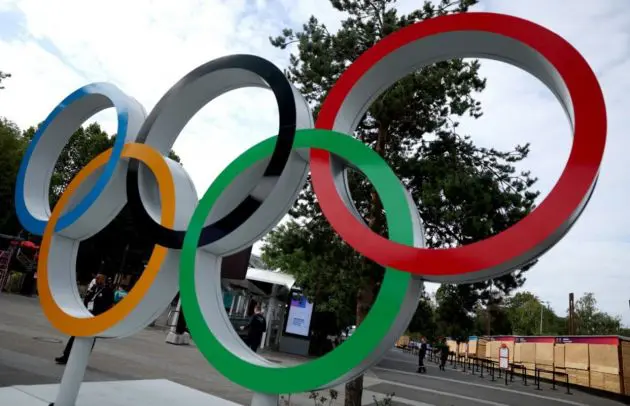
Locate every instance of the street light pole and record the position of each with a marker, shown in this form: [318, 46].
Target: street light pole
[541, 317]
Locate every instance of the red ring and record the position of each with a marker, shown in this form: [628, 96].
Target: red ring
[554, 212]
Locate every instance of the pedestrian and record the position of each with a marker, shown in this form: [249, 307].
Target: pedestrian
[421, 354]
[97, 300]
[119, 293]
[443, 354]
[92, 283]
[256, 328]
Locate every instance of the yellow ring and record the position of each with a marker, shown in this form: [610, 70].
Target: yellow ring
[92, 326]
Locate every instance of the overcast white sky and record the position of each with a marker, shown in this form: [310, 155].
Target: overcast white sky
[145, 46]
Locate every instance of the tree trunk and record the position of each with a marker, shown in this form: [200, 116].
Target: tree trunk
[354, 392]
[365, 295]
[365, 298]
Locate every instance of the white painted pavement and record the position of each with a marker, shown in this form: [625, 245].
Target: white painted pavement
[154, 392]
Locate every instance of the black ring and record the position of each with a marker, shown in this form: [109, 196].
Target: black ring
[283, 93]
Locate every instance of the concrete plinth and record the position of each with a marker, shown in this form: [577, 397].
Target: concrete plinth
[154, 392]
[178, 339]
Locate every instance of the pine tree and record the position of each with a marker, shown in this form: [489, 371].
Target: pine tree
[464, 193]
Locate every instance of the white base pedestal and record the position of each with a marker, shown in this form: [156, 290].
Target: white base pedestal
[154, 392]
[178, 339]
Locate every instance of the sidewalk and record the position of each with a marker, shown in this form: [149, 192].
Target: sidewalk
[315, 398]
[28, 346]
[370, 379]
[304, 399]
[291, 359]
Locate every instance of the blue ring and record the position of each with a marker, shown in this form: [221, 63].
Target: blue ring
[123, 104]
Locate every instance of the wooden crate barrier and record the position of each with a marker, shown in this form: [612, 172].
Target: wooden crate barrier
[545, 355]
[472, 348]
[624, 353]
[462, 349]
[531, 368]
[403, 342]
[492, 350]
[604, 358]
[606, 382]
[481, 348]
[452, 346]
[576, 356]
[558, 356]
[601, 362]
[527, 353]
[579, 377]
[517, 352]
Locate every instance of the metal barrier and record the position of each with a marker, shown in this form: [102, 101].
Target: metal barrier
[476, 364]
[553, 373]
[520, 366]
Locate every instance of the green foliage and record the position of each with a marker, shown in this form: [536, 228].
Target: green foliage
[12, 147]
[84, 145]
[312, 261]
[465, 193]
[518, 314]
[453, 320]
[321, 400]
[423, 320]
[120, 246]
[591, 321]
[3, 76]
[524, 310]
[493, 319]
[386, 401]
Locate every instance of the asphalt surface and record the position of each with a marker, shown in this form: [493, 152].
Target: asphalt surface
[454, 387]
[28, 345]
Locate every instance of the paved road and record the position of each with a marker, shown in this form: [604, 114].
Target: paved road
[455, 388]
[26, 360]
[28, 345]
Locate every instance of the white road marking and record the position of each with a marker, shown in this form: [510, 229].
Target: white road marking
[427, 363]
[437, 392]
[497, 388]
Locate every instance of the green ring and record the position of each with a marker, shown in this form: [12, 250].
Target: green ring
[322, 371]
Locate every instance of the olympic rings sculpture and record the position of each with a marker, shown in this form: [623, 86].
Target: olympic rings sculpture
[253, 193]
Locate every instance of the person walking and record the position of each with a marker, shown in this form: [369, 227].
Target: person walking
[256, 328]
[443, 354]
[97, 300]
[421, 354]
